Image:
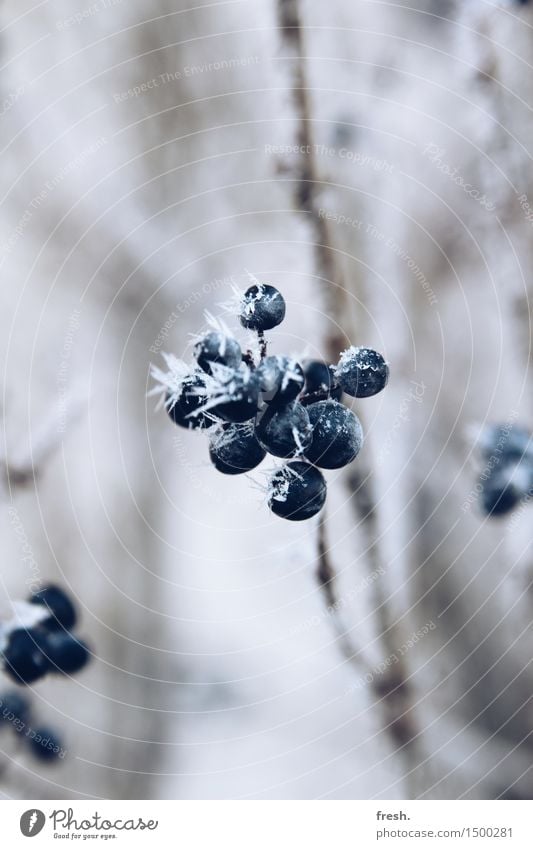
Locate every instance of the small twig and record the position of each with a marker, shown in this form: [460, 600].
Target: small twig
[390, 688]
[325, 572]
[309, 179]
[326, 577]
[393, 686]
[248, 358]
[319, 395]
[263, 344]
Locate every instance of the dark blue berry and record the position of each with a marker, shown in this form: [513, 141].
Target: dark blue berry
[235, 394]
[337, 435]
[217, 347]
[297, 491]
[234, 449]
[24, 661]
[504, 488]
[505, 443]
[61, 608]
[262, 308]
[14, 708]
[499, 498]
[362, 372]
[284, 431]
[45, 745]
[64, 652]
[320, 377]
[183, 407]
[281, 380]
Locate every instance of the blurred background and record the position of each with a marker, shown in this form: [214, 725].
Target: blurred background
[373, 160]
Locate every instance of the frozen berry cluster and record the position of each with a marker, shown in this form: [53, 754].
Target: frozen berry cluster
[16, 713]
[49, 646]
[251, 406]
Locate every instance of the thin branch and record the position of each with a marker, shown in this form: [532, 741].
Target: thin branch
[309, 180]
[391, 688]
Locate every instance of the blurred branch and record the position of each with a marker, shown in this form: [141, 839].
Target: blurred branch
[393, 687]
[28, 464]
[390, 689]
[308, 177]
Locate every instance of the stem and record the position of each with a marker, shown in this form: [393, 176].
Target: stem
[309, 179]
[263, 344]
[394, 687]
[319, 395]
[248, 358]
[327, 578]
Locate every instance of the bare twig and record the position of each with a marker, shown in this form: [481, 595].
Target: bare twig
[391, 688]
[309, 181]
[327, 580]
[263, 345]
[325, 571]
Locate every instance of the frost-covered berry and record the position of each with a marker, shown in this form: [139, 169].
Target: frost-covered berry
[505, 443]
[24, 661]
[14, 708]
[284, 431]
[262, 307]
[233, 394]
[45, 745]
[217, 347]
[337, 435]
[281, 379]
[362, 372]
[505, 487]
[234, 449]
[320, 377]
[297, 491]
[184, 406]
[62, 611]
[64, 652]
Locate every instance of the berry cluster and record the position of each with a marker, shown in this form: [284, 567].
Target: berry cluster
[17, 713]
[254, 406]
[49, 646]
[507, 477]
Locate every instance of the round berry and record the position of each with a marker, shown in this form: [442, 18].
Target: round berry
[262, 308]
[362, 372]
[284, 431]
[217, 347]
[14, 707]
[505, 443]
[62, 611]
[281, 380]
[320, 377]
[45, 745]
[24, 661]
[297, 491]
[504, 487]
[64, 652]
[234, 449]
[183, 406]
[337, 435]
[235, 394]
